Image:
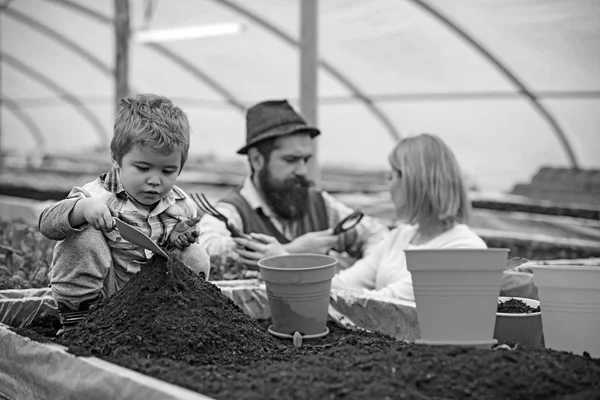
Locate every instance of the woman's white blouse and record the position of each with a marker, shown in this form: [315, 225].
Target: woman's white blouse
[383, 272]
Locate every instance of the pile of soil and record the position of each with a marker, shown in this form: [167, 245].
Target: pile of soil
[171, 325]
[167, 311]
[516, 306]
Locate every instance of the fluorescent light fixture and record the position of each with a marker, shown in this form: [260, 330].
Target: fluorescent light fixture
[191, 32]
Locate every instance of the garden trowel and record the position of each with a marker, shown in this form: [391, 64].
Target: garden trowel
[135, 236]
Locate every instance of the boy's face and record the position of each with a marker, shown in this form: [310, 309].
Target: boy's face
[148, 175]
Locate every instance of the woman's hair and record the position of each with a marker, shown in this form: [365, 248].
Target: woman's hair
[150, 120]
[433, 192]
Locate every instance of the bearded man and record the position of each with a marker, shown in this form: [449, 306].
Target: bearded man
[277, 206]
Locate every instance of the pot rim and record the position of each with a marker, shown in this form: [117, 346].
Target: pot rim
[460, 250]
[332, 262]
[563, 267]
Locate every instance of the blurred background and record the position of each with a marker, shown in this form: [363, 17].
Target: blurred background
[513, 86]
[388, 68]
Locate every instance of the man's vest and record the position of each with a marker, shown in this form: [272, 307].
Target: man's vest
[256, 221]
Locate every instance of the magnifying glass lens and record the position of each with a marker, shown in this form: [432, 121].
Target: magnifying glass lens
[351, 222]
[348, 223]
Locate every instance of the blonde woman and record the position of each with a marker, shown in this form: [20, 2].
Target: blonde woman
[429, 194]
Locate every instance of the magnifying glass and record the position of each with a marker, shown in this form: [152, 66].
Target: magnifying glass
[348, 223]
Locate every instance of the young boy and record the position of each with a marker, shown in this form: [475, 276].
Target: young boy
[91, 261]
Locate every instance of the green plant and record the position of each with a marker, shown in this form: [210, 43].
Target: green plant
[227, 268]
[25, 256]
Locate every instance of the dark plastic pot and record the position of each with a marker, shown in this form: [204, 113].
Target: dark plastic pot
[519, 328]
[298, 288]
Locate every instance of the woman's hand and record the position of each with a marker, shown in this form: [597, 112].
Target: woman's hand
[184, 233]
[257, 246]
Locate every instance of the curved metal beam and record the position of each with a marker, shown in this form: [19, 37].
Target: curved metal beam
[65, 95]
[510, 75]
[164, 51]
[61, 39]
[26, 120]
[65, 41]
[191, 68]
[356, 92]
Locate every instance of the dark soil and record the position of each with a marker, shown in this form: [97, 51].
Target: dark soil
[171, 325]
[42, 329]
[516, 306]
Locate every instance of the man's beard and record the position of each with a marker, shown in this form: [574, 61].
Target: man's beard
[288, 199]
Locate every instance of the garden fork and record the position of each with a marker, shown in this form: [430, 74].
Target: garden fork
[208, 208]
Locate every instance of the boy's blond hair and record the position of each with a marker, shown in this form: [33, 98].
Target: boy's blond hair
[150, 120]
[432, 185]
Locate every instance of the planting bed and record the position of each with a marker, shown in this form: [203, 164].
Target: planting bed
[171, 325]
[541, 250]
[180, 329]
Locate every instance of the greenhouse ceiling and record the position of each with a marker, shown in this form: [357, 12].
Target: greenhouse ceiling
[510, 85]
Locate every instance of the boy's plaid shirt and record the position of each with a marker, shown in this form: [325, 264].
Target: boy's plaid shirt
[158, 224]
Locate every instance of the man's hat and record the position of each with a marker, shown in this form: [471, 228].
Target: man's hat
[271, 119]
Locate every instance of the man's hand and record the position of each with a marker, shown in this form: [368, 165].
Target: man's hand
[313, 242]
[257, 246]
[96, 213]
[184, 233]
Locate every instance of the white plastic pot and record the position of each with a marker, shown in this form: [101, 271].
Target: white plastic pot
[570, 302]
[456, 293]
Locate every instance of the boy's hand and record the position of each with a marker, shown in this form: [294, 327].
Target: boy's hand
[184, 233]
[97, 214]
